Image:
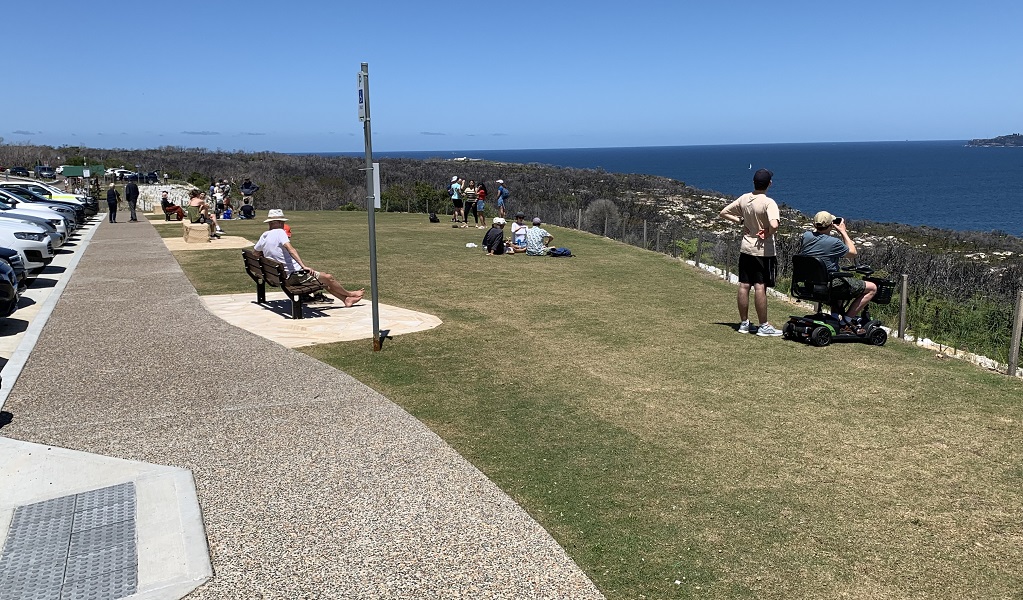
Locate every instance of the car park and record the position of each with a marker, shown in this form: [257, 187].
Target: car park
[20, 171]
[55, 193]
[151, 177]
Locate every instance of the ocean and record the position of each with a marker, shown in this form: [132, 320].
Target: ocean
[942, 184]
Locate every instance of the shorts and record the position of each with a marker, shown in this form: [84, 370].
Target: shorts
[758, 269]
[479, 205]
[302, 277]
[846, 288]
[457, 202]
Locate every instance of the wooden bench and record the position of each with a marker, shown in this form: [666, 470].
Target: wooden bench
[265, 271]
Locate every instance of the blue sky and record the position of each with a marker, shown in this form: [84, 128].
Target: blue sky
[459, 75]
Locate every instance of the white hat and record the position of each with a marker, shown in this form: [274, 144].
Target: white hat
[500, 181]
[498, 221]
[454, 178]
[275, 214]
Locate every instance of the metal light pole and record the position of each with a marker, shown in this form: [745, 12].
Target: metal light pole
[370, 200]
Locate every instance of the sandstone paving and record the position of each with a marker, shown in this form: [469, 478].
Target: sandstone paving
[311, 484]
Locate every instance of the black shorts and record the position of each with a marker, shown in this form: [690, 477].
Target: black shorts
[457, 202]
[758, 269]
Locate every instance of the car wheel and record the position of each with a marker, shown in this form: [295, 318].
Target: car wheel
[820, 337]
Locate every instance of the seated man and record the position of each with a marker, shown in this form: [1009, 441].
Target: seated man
[820, 243]
[518, 229]
[493, 241]
[274, 244]
[169, 208]
[198, 212]
[538, 240]
[247, 211]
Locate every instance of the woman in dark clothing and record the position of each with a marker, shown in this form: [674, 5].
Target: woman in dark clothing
[113, 197]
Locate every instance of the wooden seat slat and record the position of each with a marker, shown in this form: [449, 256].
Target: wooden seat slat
[264, 271]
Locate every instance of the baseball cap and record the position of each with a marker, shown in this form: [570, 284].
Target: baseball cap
[536, 221]
[761, 178]
[498, 221]
[823, 219]
[500, 181]
[520, 215]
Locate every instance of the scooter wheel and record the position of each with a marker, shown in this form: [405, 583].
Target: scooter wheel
[878, 337]
[820, 337]
[788, 331]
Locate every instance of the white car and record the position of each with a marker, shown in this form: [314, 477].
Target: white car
[52, 211]
[45, 190]
[31, 242]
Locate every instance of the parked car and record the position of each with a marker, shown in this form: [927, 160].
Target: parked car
[56, 237]
[32, 243]
[27, 195]
[45, 172]
[12, 258]
[51, 211]
[151, 177]
[9, 293]
[20, 171]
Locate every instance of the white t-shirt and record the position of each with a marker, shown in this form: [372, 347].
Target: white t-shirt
[271, 244]
[519, 234]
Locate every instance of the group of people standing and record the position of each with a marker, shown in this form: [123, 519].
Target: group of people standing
[470, 197]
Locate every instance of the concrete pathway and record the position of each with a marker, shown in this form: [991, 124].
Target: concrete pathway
[311, 485]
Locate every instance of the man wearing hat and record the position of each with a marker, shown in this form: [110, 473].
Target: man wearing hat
[502, 197]
[493, 241]
[274, 244]
[830, 249]
[758, 215]
[538, 239]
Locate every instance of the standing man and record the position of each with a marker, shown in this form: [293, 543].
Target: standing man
[455, 190]
[502, 197]
[131, 194]
[248, 190]
[113, 197]
[758, 264]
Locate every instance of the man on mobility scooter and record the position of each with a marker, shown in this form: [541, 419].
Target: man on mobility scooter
[817, 277]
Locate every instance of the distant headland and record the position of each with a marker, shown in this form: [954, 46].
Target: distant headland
[1002, 141]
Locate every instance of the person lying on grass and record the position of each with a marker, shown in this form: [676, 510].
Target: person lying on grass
[274, 243]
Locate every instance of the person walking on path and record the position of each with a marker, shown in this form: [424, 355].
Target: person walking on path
[274, 243]
[131, 194]
[113, 197]
[758, 216]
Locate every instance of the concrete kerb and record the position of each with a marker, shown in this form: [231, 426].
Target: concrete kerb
[12, 370]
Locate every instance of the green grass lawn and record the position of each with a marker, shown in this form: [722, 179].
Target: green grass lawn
[610, 395]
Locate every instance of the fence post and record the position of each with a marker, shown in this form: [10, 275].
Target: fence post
[902, 306]
[657, 242]
[605, 225]
[579, 220]
[644, 234]
[623, 230]
[699, 251]
[1017, 326]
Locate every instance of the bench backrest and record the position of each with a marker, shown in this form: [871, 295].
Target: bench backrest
[252, 265]
[273, 271]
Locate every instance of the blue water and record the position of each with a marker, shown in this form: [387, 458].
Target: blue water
[942, 184]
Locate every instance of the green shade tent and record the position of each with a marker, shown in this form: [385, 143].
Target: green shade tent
[94, 171]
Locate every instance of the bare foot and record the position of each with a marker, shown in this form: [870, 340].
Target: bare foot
[351, 301]
[358, 293]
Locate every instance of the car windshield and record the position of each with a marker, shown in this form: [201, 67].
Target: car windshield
[26, 194]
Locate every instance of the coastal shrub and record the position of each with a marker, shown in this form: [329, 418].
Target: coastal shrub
[602, 218]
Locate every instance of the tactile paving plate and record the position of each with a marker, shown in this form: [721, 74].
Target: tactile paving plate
[77, 547]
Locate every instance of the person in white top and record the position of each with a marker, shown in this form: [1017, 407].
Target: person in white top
[275, 244]
[518, 230]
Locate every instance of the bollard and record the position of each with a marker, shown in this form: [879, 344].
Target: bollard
[902, 306]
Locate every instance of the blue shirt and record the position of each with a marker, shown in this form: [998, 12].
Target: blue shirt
[828, 247]
[502, 194]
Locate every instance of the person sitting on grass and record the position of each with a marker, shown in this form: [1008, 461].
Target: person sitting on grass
[169, 208]
[274, 244]
[493, 241]
[830, 249]
[538, 240]
[198, 212]
[247, 211]
[519, 229]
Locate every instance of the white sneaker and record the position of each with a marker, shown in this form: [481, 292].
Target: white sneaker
[744, 327]
[767, 330]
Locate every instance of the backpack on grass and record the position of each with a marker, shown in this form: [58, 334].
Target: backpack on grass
[559, 252]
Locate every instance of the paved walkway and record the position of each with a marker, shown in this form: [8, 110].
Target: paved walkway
[311, 484]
